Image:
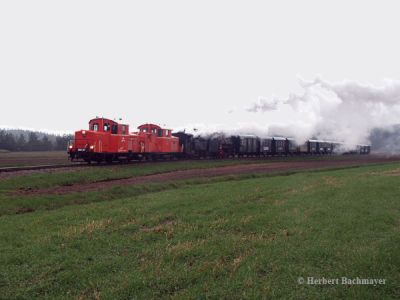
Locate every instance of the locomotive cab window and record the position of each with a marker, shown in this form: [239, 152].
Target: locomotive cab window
[123, 129]
[95, 127]
[160, 133]
[154, 130]
[106, 127]
[114, 129]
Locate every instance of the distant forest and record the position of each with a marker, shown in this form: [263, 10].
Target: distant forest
[25, 140]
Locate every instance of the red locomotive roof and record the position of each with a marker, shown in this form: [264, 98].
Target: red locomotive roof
[103, 119]
[108, 125]
[149, 126]
[155, 130]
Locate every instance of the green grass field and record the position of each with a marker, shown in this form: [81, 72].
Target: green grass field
[229, 237]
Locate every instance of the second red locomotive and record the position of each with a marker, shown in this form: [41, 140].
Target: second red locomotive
[107, 140]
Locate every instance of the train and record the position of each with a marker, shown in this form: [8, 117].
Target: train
[107, 140]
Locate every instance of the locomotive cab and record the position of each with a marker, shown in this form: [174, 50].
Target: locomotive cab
[158, 141]
[155, 130]
[108, 126]
[97, 139]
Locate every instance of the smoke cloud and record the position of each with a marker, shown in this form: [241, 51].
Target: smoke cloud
[346, 111]
[386, 140]
[264, 104]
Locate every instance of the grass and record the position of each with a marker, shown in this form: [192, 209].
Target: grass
[229, 238]
[17, 203]
[13, 202]
[92, 174]
[103, 173]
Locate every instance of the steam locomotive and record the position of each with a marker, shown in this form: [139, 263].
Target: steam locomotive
[107, 140]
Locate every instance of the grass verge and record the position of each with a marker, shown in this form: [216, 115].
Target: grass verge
[247, 238]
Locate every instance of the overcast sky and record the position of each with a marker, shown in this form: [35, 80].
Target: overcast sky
[182, 62]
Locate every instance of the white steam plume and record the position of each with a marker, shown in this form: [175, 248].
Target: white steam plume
[345, 111]
[264, 104]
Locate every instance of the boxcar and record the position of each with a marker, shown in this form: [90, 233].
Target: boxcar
[246, 145]
[325, 147]
[313, 146]
[266, 146]
[279, 145]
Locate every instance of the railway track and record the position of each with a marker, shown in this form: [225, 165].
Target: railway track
[84, 164]
[40, 167]
[59, 166]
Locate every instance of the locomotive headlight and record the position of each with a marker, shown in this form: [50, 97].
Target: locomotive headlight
[70, 147]
[91, 147]
[83, 132]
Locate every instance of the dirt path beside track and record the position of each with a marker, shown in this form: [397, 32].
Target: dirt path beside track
[212, 172]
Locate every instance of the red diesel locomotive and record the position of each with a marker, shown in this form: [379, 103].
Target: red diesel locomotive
[107, 140]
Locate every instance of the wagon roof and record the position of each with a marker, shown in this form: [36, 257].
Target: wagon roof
[248, 135]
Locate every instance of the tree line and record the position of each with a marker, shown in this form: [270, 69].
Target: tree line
[24, 140]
